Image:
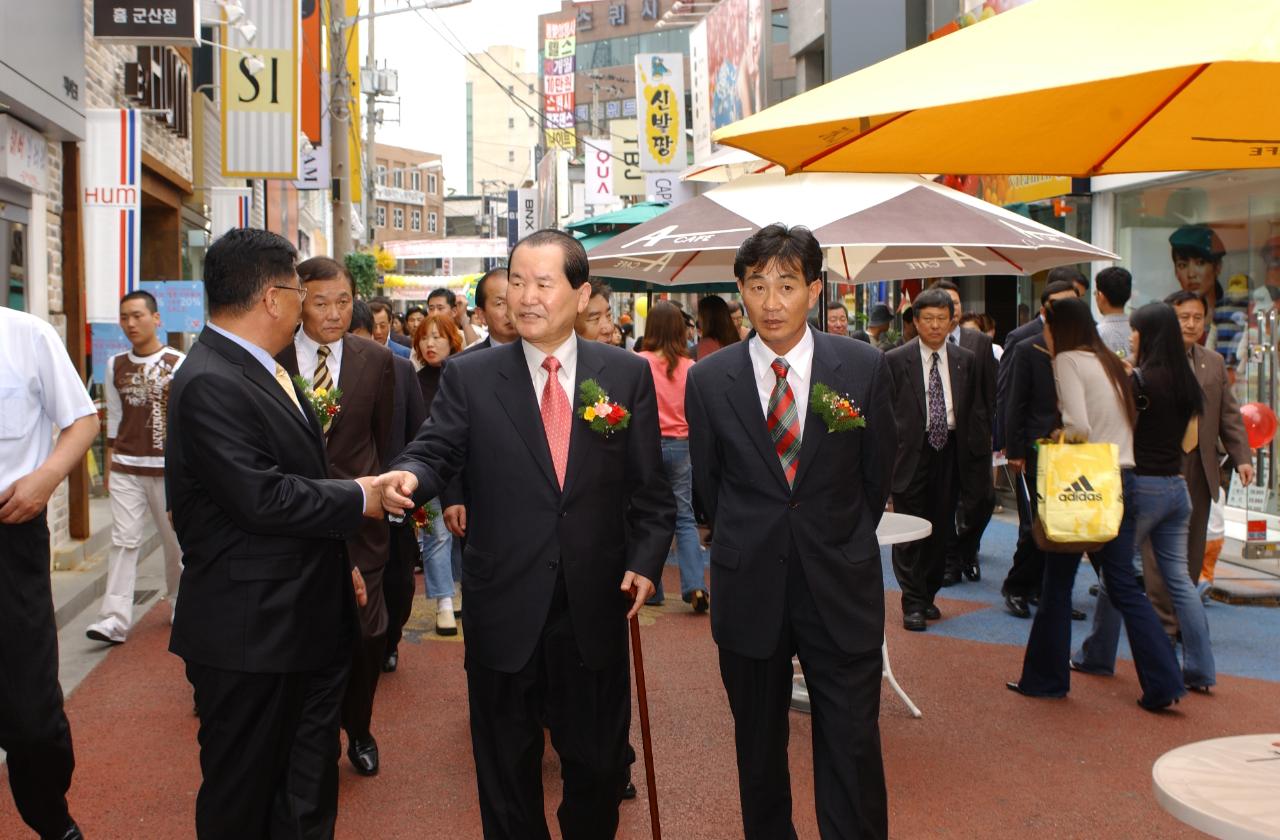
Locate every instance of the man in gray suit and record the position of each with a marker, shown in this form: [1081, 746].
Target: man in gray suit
[1220, 424]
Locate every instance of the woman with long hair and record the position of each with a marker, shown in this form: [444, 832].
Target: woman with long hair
[668, 357]
[716, 324]
[434, 341]
[1168, 398]
[1097, 405]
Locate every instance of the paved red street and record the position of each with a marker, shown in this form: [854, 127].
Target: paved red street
[981, 763]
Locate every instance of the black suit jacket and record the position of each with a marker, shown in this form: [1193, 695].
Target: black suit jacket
[358, 441]
[616, 512]
[827, 521]
[1031, 329]
[983, 420]
[1032, 411]
[265, 586]
[910, 406]
[408, 411]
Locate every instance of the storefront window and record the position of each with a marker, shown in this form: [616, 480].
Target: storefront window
[13, 263]
[1218, 235]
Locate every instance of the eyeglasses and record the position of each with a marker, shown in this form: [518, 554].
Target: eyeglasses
[302, 293]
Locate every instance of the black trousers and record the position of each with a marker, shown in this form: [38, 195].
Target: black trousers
[930, 494]
[398, 585]
[844, 692]
[973, 515]
[261, 763]
[366, 659]
[1027, 572]
[33, 727]
[588, 713]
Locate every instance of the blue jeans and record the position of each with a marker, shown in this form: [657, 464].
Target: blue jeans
[689, 552]
[1150, 505]
[437, 554]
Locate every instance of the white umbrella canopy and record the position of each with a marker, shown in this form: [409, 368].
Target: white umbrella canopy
[727, 165]
[872, 227]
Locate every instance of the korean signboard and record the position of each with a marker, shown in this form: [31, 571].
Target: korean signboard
[660, 111]
[174, 22]
[260, 104]
[558, 65]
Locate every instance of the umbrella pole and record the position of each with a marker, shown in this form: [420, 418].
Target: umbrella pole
[642, 698]
[822, 303]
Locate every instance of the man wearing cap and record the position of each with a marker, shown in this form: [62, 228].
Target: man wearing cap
[878, 325]
[1197, 262]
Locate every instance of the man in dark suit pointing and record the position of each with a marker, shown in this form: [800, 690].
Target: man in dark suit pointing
[563, 511]
[267, 600]
[795, 485]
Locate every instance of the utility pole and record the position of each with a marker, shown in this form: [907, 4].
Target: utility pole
[339, 128]
[371, 109]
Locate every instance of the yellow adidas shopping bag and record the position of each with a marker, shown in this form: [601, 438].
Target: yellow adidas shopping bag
[1079, 495]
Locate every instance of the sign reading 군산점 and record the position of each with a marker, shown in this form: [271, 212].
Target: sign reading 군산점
[660, 111]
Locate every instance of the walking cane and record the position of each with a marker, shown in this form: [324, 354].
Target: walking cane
[647, 744]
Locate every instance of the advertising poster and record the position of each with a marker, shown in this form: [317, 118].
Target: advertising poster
[558, 65]
[261, 108]
[660, 111]
[111, 160]
[735, 60]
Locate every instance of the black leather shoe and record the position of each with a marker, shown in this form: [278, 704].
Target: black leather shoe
[1093, 590]
[932, 613]
[973, 571]
[1078, 615]
[391, 662]
[629, 791]
[1017, 689]
[914, 621]
[1017, 605]
[700, 602]
[1157, 707]
[950, 577]
[363, 754]
[73, 833]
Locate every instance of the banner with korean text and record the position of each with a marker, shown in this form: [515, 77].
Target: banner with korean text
[111, 193]
[261, 108]
[660, 111]
[558, 66]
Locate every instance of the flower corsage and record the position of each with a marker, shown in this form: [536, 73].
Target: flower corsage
[837, 410]
[594, 406]
[324, 401]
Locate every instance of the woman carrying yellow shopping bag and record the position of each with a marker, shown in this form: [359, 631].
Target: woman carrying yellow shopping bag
[1097, 405]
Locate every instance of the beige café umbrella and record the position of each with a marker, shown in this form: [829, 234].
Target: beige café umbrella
[872, 227]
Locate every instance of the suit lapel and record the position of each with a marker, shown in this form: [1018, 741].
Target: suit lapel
[589, 366]
[518, 400]
[915, 370]
[957, 373]
[745, 401]
[351, 373]
[824, 369]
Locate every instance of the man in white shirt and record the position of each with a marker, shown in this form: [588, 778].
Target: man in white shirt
[137, 389]
[1114, 286]
[39, 391]
[935, 402]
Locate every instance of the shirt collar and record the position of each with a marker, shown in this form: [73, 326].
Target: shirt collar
[954, 334]
[309, 344]
[799, 358]
[1115, 316]
[254, 350]
[927, 355]
[567, 353]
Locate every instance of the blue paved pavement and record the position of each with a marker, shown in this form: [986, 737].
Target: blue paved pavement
[1246, 639]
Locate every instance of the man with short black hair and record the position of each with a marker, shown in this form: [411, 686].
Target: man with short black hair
[796, 492]
[268, 602]
[137, 389]
[412, 317]
[837, 318]
[549, 584]
[380, 309]
[491, 303]
[1114, 286]
[594, 322]
[445, 302]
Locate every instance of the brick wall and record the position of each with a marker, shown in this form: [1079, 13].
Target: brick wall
[59, 512]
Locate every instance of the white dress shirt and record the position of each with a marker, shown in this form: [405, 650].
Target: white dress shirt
[306, 349]
[926, 361]
[39, 391]
[800, 360]
[567, 353]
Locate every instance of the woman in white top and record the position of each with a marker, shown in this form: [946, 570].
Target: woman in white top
[1096, 402]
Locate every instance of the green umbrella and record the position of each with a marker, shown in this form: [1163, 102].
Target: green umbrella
[618, 219]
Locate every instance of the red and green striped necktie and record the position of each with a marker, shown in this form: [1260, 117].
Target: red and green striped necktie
[784, 423]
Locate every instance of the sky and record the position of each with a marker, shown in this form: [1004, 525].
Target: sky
[432, 78]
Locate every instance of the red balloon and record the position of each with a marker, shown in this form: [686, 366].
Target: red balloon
[1259, 423]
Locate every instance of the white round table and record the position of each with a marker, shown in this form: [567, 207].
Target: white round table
[894, 528]
[1225, 787]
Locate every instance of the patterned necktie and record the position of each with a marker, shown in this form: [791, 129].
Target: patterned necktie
[322, 378]
[556, 417]
[784, 423]
[937, 408]
[282, 377]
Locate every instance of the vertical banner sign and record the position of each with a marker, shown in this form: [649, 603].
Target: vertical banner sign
[627, 177]
[261, 116]
[558, 66]
[660, 111]
[312, 64]
[669, 188]
[513, 220]
[522, 214]
[599, 171]
[700, 94]
[355, 143]
[230, 208]
[111, 159]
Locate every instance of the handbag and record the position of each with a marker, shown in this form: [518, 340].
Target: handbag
[1079, 502]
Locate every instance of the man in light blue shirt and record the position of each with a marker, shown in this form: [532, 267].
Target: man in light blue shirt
[1113, 286]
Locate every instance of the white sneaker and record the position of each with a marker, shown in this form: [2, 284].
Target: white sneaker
[101, 633]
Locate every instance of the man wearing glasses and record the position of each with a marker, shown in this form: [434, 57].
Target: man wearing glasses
[268, 604]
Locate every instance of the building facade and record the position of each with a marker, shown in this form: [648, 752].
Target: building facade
[502, 120]
[408, 194]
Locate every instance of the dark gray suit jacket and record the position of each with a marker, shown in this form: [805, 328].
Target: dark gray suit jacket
[911, 408]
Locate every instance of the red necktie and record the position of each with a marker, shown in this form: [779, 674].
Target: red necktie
[784, 422]
[556, 417]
